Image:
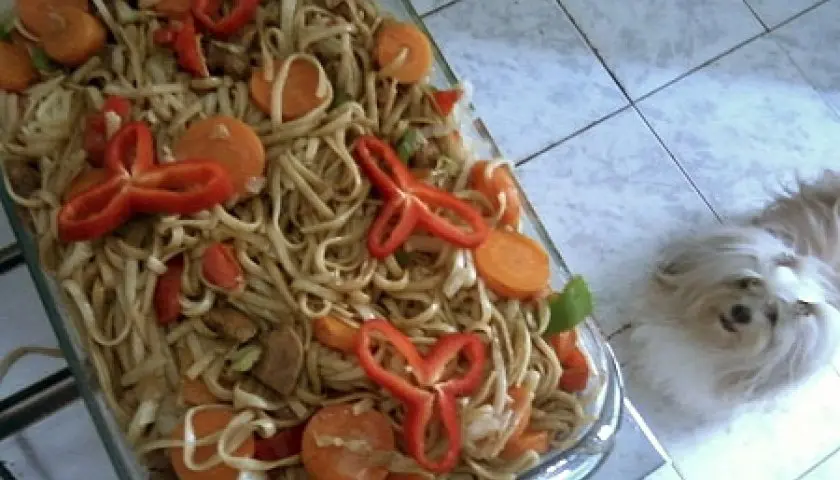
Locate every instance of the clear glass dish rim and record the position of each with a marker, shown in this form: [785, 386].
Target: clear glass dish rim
[578, 461]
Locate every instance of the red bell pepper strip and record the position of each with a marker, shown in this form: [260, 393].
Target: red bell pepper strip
[221, 269]
[138, 185]
[96, 137]
[420, 401]
[242, 13]
[445, 100]
[411, 204]
[187, 45]
[168, 292]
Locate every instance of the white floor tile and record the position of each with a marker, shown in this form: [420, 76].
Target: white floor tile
[667, 472]
[425, 6]
[829, 469]
[610, 198]
[648, 43]
[745, 125]
[810, 41]
[774, 12]
[76, 452]
[535, 80]
[779, 441]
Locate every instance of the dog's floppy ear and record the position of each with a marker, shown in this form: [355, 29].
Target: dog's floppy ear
[675, 262]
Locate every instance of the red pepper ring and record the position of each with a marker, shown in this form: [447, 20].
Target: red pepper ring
[427, 370]
[138, 185]
[412, 203]
[242, 13]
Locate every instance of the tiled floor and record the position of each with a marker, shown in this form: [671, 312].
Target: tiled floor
[637, 121]
[633, 122]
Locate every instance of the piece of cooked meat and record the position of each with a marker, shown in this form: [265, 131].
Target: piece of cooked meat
[281, 361]
[25, 179]
[221, 58]
[231, 324]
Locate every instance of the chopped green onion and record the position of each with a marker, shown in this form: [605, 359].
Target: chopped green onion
[570, 307]
[403, 258]
[42, 61]
[245, 358]
[410, 142]
[7, 26]
[340, 99]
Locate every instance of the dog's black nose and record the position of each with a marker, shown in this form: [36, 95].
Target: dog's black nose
[740, 314]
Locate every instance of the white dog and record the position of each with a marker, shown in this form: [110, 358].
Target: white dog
[749, 309]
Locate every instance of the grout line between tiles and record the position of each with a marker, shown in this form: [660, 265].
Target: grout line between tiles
[677, 163]
[594, 50]
[755, 14]
[620, 330]
[813, 467]
[438, 9]
[577, 132]
[803, 12]
[698, 67]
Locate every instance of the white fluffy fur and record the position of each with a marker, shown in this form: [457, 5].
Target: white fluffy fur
[783, 266]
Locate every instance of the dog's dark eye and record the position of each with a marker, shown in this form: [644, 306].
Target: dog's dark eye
[773, 316]
[803, 308]
[746, 283]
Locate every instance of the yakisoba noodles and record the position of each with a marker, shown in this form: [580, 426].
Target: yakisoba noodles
[298, 233]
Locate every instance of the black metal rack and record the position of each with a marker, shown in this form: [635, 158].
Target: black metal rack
[39, 400]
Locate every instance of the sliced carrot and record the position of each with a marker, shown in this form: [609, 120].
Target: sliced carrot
[335, 333]
[36, 14]
[512, 265]
[73, 37]
[221, 269]
[195, 392]
[228, 141]
[500, 182]
[529, 440]
[393, 39]
[521, 407]
[17, 72]
[575, 372]
[563, 344]
[341, 463]
[205, 423]
[299, 92]
[85, 181]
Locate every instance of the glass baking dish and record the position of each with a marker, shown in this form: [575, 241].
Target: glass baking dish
[590, 446]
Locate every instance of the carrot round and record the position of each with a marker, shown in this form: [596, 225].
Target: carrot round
[85, 181]
[341, 463]
[196, 392]
[393, 39]
[512, 265]
[575, 372]
[521, 408]
[17, 72]
[228, 141]
[204, 423]
[36, 14]
[529, 440]
[299, 92]
[73, 36]
[499, 183]
[335, 333]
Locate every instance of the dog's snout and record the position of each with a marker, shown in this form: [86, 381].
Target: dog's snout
[740, 313]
